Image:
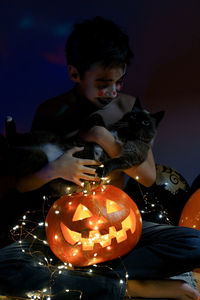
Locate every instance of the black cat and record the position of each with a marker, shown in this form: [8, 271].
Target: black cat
[135, 132]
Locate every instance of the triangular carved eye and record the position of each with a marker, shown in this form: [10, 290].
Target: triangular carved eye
[112, 206]
[82, 212]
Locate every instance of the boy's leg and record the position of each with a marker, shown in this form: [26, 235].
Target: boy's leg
[22, 275]
[162, 289]
[162, 252]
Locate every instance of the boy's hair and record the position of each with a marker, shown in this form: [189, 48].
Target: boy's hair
[97, 41]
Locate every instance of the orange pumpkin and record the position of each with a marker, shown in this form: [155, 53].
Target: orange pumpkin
[190, 216]
[89, 229]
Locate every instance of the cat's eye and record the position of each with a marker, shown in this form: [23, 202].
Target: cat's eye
[145, 122]
[133, 116]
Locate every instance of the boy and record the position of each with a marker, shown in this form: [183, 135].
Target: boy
[98, 53]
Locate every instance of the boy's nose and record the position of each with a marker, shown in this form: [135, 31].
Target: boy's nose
[111, 92]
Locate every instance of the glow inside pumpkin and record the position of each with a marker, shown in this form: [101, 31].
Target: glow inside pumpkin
[85, 230]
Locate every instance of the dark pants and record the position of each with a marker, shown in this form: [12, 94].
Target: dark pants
[163, 251]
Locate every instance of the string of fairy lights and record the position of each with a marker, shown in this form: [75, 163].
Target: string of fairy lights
[30, 231]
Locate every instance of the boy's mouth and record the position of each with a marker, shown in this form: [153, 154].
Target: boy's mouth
[104, 101]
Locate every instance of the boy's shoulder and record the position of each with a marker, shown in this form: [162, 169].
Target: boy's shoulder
[56, 103]
[53, 111]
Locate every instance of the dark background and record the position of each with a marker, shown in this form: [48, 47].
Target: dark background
[165, 37]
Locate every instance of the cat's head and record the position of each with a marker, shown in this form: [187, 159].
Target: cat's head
[143, 124]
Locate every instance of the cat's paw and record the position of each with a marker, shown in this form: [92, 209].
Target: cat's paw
[101, 171]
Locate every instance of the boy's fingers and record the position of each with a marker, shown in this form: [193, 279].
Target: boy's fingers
[78, 182]
[75, 149]
[89, 162]
[88, 170]
[89, 177]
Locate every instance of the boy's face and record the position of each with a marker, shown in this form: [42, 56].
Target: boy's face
[101, 85]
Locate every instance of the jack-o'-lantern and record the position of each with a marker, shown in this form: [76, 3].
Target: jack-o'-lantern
[89, 229]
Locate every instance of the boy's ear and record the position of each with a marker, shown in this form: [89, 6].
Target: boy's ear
[73, 73]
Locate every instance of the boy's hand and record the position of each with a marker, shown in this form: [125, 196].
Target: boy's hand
[74, 169]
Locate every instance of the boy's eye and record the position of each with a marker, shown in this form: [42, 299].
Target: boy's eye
[105, 86]
[102, 87]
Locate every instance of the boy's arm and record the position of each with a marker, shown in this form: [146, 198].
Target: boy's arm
[66, 166]
[145, 173]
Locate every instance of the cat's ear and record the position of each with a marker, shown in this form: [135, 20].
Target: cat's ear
[158, 116]
[137, 103]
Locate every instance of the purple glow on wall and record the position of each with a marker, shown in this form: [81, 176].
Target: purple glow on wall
[165, 37]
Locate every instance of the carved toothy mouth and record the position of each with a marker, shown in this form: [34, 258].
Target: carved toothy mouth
[73, 237]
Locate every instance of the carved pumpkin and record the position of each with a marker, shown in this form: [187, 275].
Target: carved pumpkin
[89, 229]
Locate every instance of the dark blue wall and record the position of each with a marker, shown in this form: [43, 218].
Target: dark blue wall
[165, 37]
